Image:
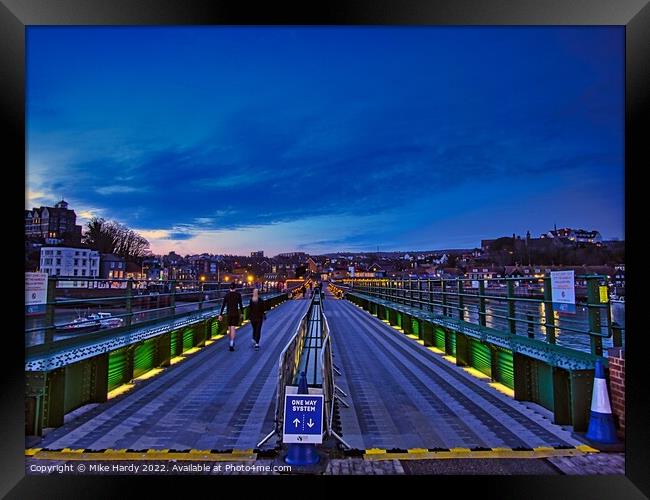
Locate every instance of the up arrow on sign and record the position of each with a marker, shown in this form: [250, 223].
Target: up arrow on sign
[296, 422]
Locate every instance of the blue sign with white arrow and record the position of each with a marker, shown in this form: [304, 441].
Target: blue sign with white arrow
[303, 418]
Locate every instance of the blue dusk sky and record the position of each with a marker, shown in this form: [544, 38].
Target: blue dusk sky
[233, 139]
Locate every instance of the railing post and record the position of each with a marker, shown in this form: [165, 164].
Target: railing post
[430, 290]
[129, 301]
[172, 297]
[549, 319]
[593, 306]
[419, 293]
[411, 294]
[481, 303]
[511, 307]
[461, 301]
[49, 310]
[443, 290]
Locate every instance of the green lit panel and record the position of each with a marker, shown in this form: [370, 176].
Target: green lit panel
[452, 338]
[214, 328]
[173, 342]
[505, 369]
[415, 326]
[143, 357]
[188, 339]
[398, 319]
[116, 368]
[439, 338]
[480, 357]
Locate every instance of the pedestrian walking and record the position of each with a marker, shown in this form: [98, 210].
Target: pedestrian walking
[257, 315]
[232, 302]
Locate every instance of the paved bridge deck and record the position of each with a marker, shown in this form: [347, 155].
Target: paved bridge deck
[214, 400]
[402, 395]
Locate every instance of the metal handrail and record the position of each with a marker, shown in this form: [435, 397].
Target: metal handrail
[288, 363]
[452, 301]
[246, 292]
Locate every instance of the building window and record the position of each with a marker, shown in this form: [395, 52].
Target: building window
[58, 272]
[76, 253]
[83, 254]
[58, 252]
[76, 272]
[76, 262]
[83, 272]
[58, 262]
[112, 265]
[83, 262]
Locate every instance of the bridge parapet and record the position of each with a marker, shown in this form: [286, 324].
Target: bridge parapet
[66, 374]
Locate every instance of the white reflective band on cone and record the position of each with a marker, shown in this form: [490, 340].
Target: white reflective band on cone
[599, 399]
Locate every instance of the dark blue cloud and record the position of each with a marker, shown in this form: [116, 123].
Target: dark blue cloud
[180, 236]
[212, 129]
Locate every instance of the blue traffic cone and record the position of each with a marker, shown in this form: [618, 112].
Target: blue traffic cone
[299, 453]
[601, 422]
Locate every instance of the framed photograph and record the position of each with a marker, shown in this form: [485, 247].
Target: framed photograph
[364, 239]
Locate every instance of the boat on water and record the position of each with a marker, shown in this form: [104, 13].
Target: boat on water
[79, 324]
[90, 323]
[106, 320]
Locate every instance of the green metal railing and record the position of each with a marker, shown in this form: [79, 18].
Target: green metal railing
[519, 306]
[142, 301]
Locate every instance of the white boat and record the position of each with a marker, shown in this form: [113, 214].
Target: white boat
[617, 299]
[79, 324]
[106, 320]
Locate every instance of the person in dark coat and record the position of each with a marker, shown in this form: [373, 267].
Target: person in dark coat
[257, 315]
[232, 301]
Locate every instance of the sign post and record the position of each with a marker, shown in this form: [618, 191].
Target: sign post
[563, 291]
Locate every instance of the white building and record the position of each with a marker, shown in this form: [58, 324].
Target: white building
[65, 261]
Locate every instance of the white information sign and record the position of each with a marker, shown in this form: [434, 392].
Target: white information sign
[563, 290]
[35, 292]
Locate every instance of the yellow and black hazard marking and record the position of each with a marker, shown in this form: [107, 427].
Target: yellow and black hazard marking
[150, 454]
[449, 453]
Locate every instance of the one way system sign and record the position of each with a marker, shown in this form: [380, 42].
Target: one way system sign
[303, 418]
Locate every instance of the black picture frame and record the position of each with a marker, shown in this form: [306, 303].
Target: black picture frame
[16, 15]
